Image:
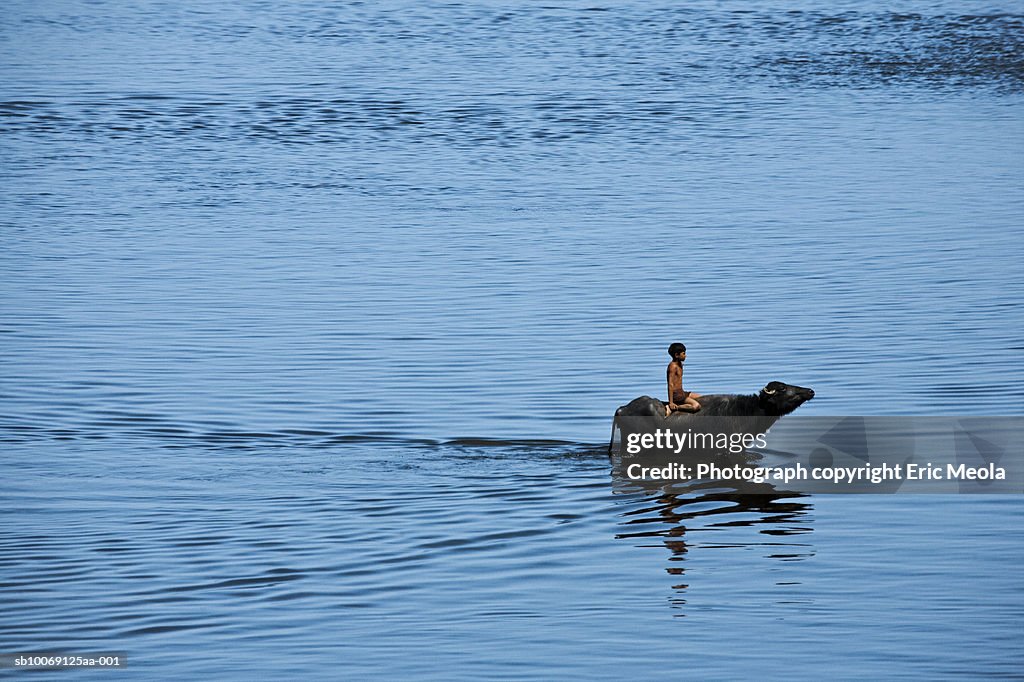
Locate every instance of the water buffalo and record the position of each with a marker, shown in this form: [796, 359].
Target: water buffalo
[776, 399]
[723, 413]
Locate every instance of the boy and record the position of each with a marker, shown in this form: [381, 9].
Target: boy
[678, 399]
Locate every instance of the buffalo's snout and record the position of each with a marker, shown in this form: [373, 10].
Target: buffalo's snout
[802, 394]
[779, 398]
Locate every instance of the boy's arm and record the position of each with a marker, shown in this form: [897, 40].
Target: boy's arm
[675, 379]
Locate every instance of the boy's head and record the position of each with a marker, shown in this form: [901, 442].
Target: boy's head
[676, 348]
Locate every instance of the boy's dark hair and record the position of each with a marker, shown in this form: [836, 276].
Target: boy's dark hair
[676, 348]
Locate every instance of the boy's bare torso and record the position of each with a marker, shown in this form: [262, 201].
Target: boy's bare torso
[679, 399]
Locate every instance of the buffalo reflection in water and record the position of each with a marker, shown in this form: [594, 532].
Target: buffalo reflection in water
[678, 512]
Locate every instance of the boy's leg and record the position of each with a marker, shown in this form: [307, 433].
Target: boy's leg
[687, 405]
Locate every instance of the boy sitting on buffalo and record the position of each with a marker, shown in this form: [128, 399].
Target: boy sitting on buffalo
[678, 399]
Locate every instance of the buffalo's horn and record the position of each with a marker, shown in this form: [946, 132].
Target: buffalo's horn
[767, 392]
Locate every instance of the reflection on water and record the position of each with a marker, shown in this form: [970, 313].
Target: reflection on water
[245, 553]
[694, 516]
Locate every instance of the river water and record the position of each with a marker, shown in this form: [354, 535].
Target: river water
[315, 317]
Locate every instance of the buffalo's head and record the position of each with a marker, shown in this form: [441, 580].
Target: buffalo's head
[778, 398]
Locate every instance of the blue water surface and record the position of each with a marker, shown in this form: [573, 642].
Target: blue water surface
[314, 318]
